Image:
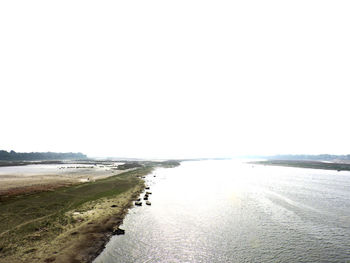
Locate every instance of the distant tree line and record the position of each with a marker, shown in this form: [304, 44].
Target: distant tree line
[18, 156]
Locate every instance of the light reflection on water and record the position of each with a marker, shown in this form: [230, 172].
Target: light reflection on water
[227, 211]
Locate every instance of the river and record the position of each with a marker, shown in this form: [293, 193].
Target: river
[230, 211]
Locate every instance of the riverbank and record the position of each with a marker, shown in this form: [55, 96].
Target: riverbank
[307, 164]
[67, 224]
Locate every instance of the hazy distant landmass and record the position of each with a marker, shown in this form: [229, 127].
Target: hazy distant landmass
[320, 161]
[32, 156]
[339, 166]
[319, 157]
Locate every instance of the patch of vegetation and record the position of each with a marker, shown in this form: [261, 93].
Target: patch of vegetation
[165, 164]
[170, 164]
[129, 165]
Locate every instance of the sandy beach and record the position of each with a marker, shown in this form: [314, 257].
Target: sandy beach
[33, 178]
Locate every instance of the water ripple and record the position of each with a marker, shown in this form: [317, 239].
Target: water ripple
[223, 211]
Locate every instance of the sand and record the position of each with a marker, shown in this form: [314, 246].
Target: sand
[12, 182]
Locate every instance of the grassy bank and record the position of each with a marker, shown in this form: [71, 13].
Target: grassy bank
[307, 164]
[46, 226]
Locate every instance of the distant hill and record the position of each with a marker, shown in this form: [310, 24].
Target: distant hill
[33, 156]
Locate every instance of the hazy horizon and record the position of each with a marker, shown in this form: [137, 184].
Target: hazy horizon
[199, 157]
[177, 79]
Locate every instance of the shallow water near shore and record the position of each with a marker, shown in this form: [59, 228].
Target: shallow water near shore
[229, 211]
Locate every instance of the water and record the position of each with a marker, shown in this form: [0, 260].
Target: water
[227, 211]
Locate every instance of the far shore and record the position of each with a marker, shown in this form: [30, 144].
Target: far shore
[69, 223]
[337, 166]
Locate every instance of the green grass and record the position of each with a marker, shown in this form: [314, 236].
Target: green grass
[23, 216]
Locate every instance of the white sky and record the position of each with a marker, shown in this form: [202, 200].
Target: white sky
[175, 79]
